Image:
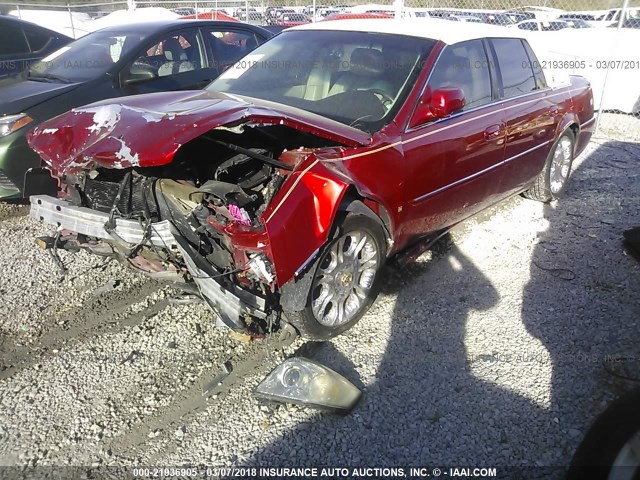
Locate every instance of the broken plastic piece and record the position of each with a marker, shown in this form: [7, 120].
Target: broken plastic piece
[259, 267]
[240, 214]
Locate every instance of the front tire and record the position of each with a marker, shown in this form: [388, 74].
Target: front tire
[346, 278]
[552, 181]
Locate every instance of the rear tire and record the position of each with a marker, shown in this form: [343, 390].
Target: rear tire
[346, 279]
[552, 181]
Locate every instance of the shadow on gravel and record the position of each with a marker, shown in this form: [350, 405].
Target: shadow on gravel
[429, 409]
[418, 412]
[425, 408]
[582, 299]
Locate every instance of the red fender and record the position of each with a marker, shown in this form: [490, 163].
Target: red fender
[300, 217]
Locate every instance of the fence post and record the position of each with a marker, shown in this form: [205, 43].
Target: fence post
[398, 6]
[73, 30]
[314, 18]
[19, 13]
[196, 7]
[246, 9]
[625, 6]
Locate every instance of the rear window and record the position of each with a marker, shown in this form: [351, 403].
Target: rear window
[533, 26]
[12, 41]
[514, 66]
[541, 81]
[37, 40]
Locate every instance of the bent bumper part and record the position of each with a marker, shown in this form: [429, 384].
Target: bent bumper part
[230, 301]
[91, 222]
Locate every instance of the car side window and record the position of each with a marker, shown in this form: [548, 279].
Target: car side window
[37, 40]
[552, 26]
[174, 54]
[464, 65]
[514, 67]
[13, 41]
[541, 81]
[230, 46]
[528, 26]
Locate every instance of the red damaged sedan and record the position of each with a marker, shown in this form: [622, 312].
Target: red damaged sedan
[278, 193]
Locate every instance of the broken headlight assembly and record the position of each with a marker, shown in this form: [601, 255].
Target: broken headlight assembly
[305, 382]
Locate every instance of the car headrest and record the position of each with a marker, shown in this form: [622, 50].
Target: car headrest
[173, 50]
[367, 62]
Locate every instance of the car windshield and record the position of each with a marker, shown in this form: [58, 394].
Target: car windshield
[86, 58]
[356, 78]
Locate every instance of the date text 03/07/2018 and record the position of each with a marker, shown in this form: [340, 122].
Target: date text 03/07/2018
[313, 472]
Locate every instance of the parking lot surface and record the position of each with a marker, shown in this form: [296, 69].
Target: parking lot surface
[493, 349]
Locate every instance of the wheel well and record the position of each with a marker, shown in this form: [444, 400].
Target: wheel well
[353, 195]
[575, 129]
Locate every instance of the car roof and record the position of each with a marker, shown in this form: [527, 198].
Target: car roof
[158, 25]
[433, 28]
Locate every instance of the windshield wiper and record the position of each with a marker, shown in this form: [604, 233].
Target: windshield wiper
[47, 77]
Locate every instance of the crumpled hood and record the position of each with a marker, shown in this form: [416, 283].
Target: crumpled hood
[147, 130]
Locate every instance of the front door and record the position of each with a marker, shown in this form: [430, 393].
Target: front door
[453, 164]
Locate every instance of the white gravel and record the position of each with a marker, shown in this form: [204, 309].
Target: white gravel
[477, 355]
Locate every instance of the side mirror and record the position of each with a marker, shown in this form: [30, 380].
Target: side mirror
[138, 74]
[438, 104]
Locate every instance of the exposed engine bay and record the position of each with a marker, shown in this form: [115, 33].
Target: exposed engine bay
[213, 195]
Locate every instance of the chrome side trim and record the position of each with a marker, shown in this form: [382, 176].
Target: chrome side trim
[457, 182]
[588, 122]
[477, 174]
[526, 151]
[62, 213]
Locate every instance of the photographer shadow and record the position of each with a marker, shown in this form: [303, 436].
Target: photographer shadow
[424, 405]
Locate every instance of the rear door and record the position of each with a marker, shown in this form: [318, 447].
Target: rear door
[530, 110]
[453, 163]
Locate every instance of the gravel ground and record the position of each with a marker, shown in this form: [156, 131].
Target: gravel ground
[488, 351]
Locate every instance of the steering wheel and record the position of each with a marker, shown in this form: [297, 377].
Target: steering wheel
[385, 98]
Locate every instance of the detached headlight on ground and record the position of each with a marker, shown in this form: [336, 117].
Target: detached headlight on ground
[305, 382]
[11, 123]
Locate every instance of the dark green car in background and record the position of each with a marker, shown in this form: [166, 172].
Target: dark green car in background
[113, 62]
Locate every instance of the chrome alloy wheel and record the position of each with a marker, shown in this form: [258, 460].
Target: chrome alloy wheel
[344, 278]
[560, 165]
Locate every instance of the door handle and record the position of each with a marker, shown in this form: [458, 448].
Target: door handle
[493, 132]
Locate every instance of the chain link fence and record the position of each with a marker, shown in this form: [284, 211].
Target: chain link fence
[594, 38]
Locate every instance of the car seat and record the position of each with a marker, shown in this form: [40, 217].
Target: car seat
[176, 57]
[366, 72]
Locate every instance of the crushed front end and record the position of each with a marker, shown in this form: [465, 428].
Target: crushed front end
[193, 213]
[206, 236]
